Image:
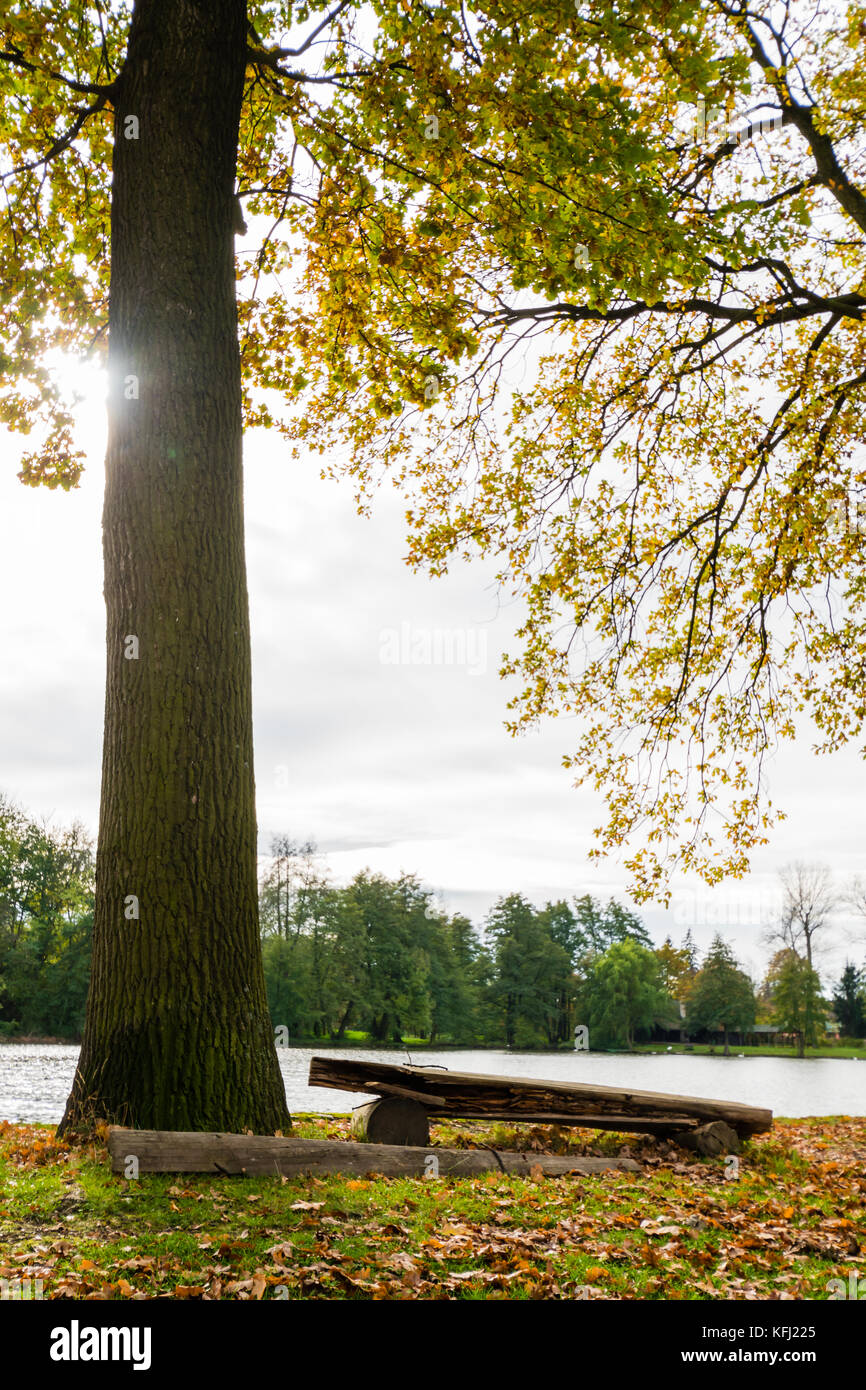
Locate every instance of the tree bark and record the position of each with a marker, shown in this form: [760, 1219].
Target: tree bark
[343, 1024]
[177, 1034]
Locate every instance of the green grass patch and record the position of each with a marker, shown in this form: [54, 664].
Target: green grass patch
[789, 1222]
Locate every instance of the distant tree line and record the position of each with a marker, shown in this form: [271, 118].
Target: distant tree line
[382, 958]
[47, 882]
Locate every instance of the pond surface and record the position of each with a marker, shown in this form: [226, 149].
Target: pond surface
[35, 1078]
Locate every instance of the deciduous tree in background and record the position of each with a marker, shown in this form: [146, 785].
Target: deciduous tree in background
[808, 906]
[622, 993]
[46, 918]
[676, 970]
[799, 1007]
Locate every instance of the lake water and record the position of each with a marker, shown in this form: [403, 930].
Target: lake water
[35, 1079]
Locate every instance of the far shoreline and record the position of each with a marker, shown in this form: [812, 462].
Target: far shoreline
[842, 1052]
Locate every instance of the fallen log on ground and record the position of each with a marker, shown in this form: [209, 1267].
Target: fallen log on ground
[135, 1151]
[471, 1095]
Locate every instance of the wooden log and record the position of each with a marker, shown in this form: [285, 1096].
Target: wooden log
[629, 1124]
[710, 1140]
[391, 1121]
[387, 1088]
[170, 1151]
[476, 1095]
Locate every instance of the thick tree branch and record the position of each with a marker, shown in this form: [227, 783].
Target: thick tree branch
[830, 171]
[845, 305]
[272, 57]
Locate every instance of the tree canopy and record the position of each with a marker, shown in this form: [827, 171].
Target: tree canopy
[659, 208]
[624, 992]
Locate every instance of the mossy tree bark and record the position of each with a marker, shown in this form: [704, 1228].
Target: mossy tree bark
[177, 1034]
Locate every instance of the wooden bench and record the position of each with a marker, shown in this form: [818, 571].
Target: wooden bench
[409, 1097]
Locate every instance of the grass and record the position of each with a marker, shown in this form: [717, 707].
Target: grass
[678, 1229]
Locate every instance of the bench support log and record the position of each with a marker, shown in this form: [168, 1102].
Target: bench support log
[710, 1140]
[391, 1121]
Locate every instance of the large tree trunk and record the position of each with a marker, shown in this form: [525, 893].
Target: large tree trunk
[177, 1034]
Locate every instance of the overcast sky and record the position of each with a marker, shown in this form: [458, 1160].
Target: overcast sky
[368, 739]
